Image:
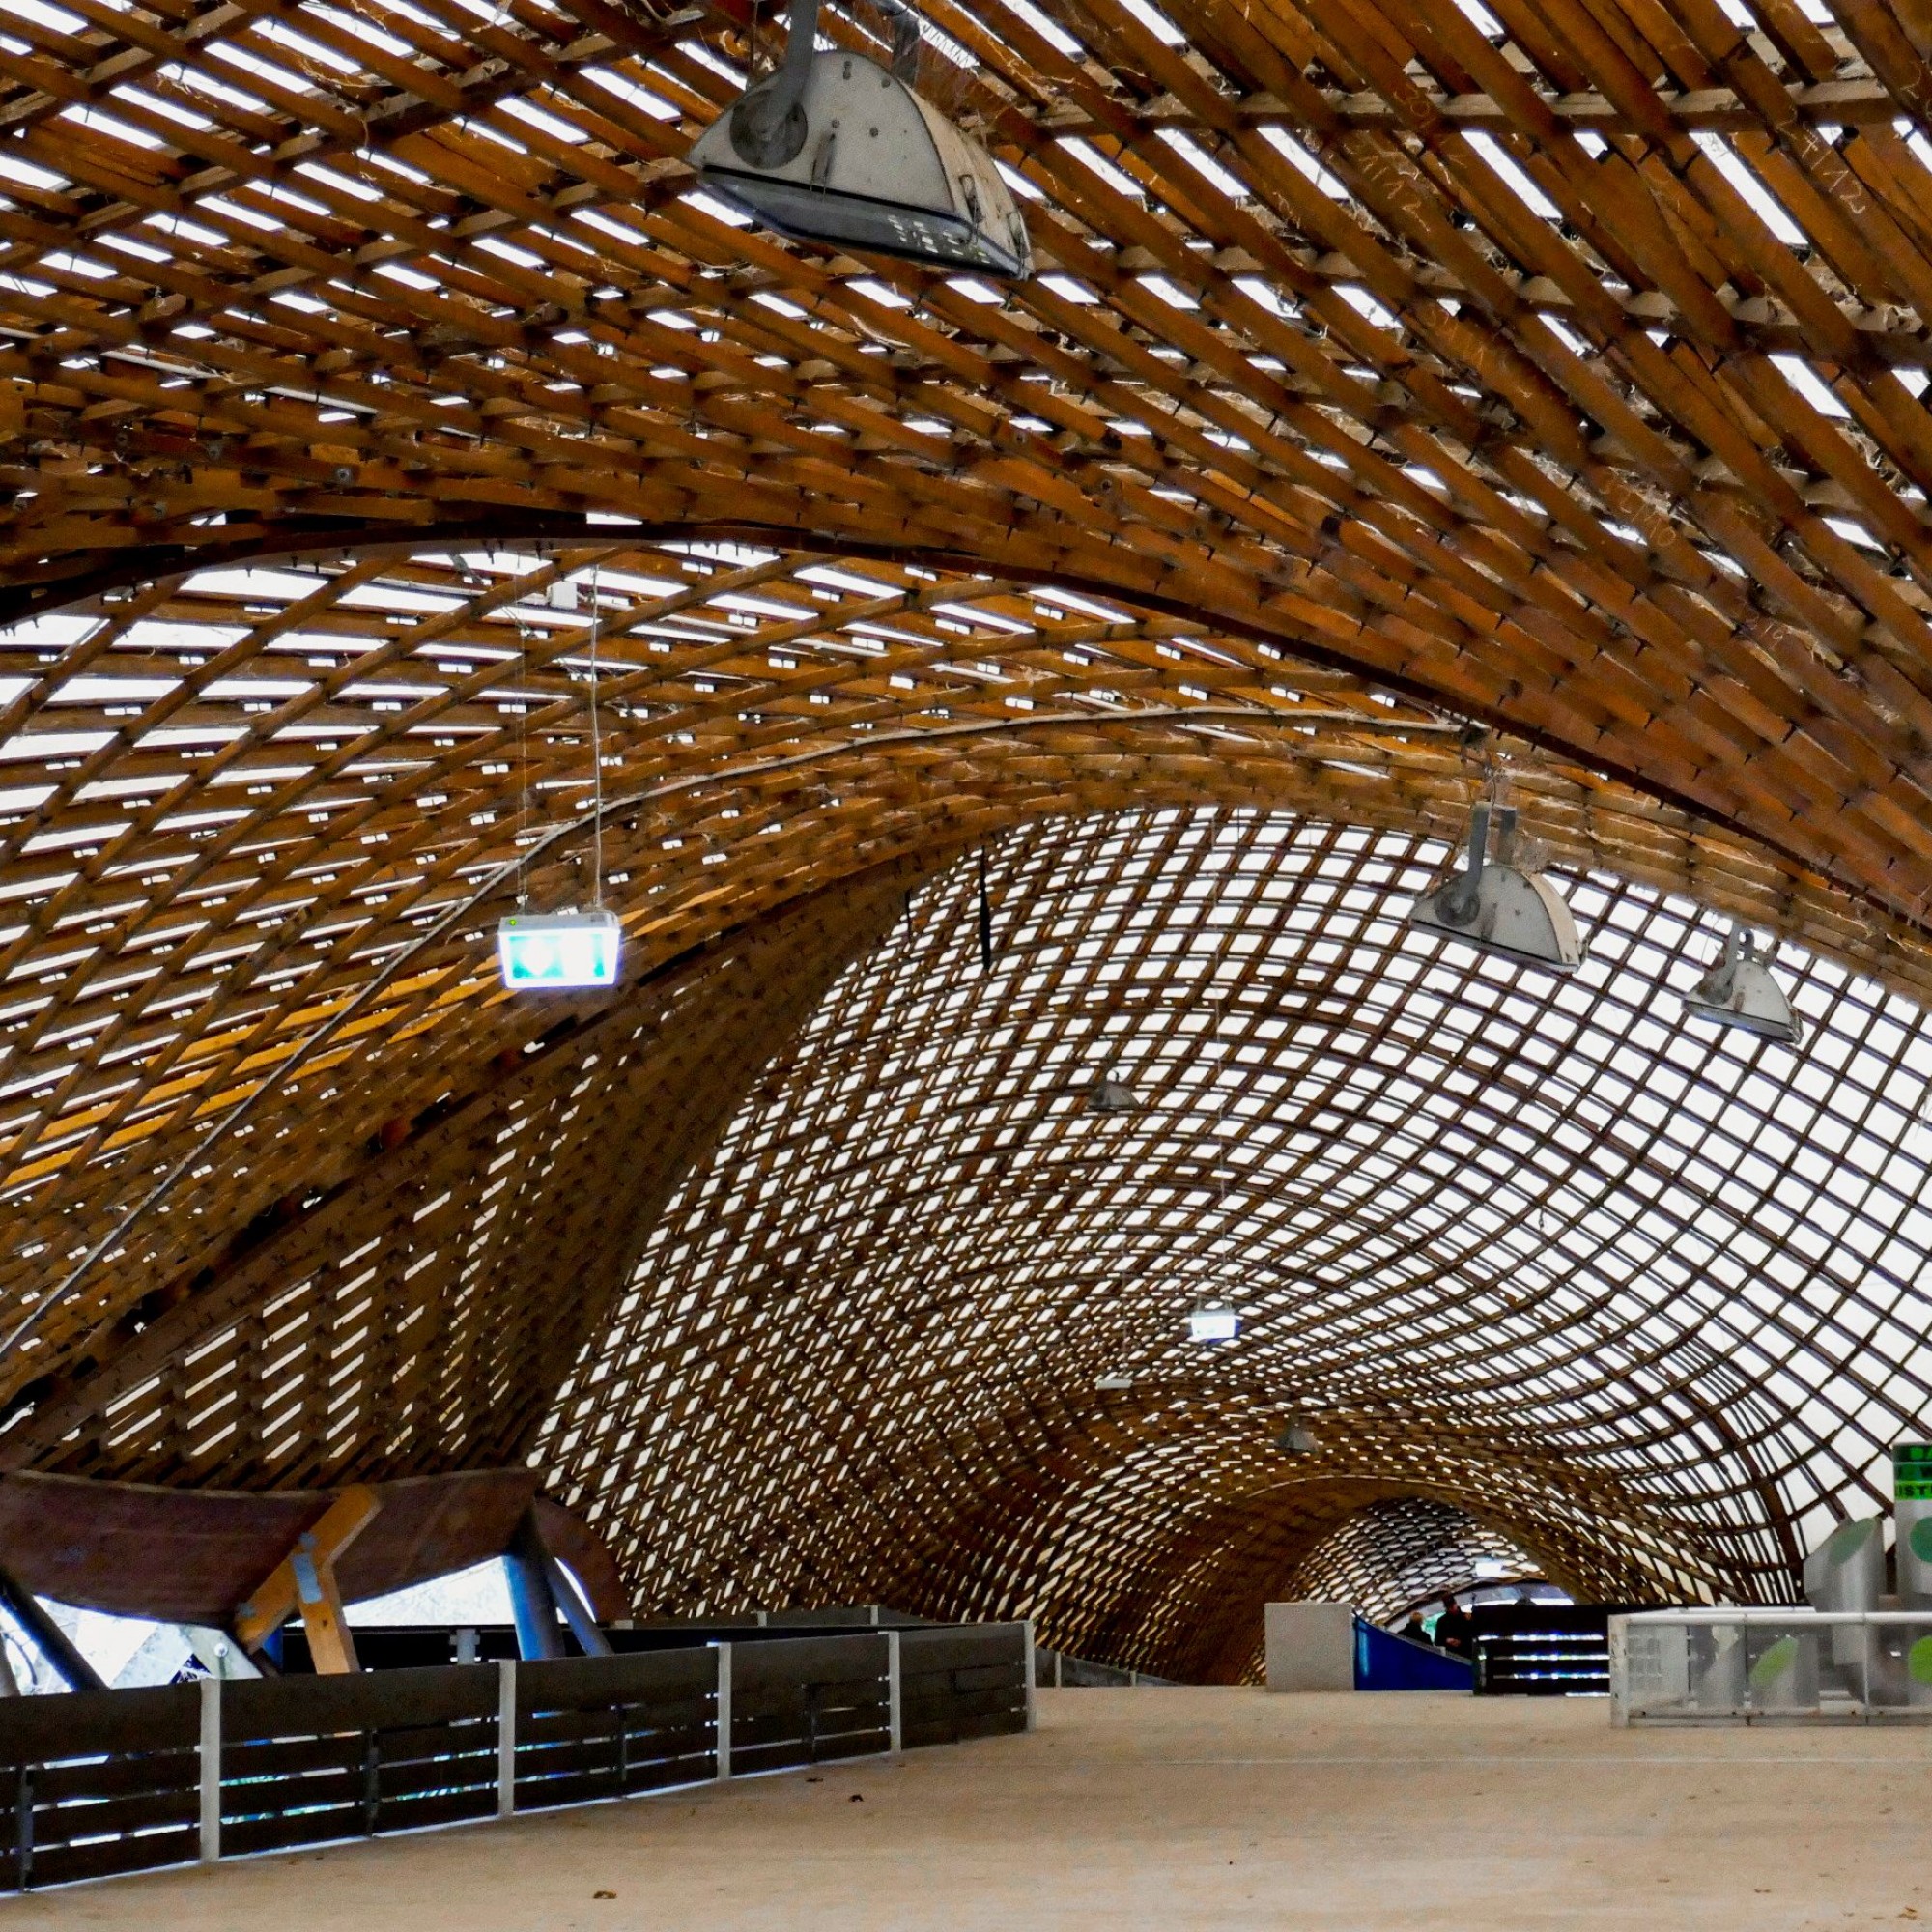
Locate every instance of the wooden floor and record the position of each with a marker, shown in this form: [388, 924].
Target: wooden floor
[1161, 1809]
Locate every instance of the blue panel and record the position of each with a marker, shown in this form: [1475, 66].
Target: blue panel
[1386, 1662]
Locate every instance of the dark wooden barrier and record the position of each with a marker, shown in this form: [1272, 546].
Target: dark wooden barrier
[962, 1682]
[591, 1727]
[102, 1782]
[307, 1759]
[124, 1780]
[803, 1700]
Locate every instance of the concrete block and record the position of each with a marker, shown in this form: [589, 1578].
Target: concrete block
[1311, 1647]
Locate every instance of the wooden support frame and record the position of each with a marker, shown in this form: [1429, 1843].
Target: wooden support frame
[304, 1582]
[1408, 394]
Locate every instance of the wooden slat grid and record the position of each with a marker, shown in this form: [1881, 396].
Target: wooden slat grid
[1392, 1557]
[1397, 1555]
[410, 1317]
[324, 764]
[1651, 1298]
[1559, 362]
[1554, 367]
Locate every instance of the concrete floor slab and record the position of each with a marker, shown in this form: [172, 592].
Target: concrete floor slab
[1168, 1808]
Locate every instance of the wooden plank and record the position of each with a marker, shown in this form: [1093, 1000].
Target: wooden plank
[573, 1683]
[919, 1651]
[109, 1777]
[278, 1830]
[108, 1857]
[94, 1722]
[116, 1814]
[787, 1662]
[295, 1706]
[268, 1760]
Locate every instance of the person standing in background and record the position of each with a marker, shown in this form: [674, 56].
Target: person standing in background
[1455, 1631]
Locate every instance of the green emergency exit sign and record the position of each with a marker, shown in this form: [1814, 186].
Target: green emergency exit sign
[1912, 1472]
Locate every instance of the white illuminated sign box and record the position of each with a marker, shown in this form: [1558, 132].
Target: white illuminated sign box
[560, 950]
[1212, 1322]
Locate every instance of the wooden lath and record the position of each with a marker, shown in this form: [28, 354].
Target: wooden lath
[239, 794]
[269, 782]
[415, 1310]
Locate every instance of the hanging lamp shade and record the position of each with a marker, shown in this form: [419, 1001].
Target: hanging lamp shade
[1740, 991]
[835, 148]
[1499, 907]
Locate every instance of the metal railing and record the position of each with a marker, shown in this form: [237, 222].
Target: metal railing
[1771, 1666]
[125, 1780]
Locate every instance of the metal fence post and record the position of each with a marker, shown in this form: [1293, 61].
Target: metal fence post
[210, 1769]
[1032, 1702]
[723, 1714]
[506, 1737]
[895, 1696]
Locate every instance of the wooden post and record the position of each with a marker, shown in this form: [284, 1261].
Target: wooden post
[211, 1770]
[304, 1580]
[724, 1712]
[506, 1737]
[895, 1696]
[1032, 1702]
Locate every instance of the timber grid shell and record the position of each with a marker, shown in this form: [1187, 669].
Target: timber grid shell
[1409, 398]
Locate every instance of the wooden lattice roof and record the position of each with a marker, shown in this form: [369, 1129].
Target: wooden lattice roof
[1559, 363]
[1401, 1556]
[1651, 1300]
[1404, 395]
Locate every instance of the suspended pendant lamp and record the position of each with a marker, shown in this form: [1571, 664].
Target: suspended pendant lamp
[1740, 991]
[557, 951]
[1213, 1322]
[835, 148]
[1497, 907]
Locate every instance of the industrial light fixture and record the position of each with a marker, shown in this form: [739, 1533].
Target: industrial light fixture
[1213, 1322]
[835, 148]
[1297, 1440]
[558, 950]
[1740, 991]
[1110, 1094]
[1499, 907]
